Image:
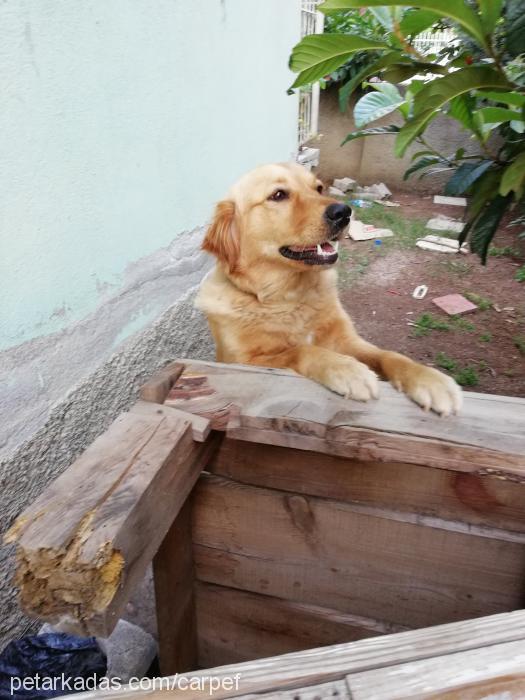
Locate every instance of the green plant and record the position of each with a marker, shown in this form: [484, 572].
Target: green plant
[446, 362]
[478, 81]
[519, 342]
[505, 252]
[427, 323]
[485, 337]
[461, 324]
[520, 274]
[467, 376]
[482, 303]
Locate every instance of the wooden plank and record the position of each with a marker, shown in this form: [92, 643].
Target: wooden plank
[282, 408]
[200, 427]
[453, 673]
[323, 691]
[157, 388]
[468, 498]
[86, 541]
[316, 666]
[322, 552]
[173, 575]
[236, 625]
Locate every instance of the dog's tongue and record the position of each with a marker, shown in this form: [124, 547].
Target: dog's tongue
[327, 247]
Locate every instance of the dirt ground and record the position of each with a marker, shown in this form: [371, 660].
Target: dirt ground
[484, 350]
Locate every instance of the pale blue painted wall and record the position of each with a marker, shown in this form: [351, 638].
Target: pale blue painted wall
[121, 122]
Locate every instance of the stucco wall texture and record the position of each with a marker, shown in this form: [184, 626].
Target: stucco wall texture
[372, 159]
[121, 122]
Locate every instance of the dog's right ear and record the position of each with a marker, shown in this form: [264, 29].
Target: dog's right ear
[222, 237]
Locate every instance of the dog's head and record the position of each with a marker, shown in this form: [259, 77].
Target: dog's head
[277, 213]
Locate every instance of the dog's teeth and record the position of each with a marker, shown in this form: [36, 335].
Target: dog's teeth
[319, 249]
[335, 246]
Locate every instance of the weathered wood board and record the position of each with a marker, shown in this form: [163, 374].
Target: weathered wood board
[281, 408]
[86, 542]
[324, 552]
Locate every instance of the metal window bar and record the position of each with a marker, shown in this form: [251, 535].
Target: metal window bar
[311, 23]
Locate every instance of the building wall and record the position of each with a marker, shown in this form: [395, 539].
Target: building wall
[121, 122]
[372, 159]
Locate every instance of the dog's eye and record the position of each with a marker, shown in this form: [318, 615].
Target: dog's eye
[278, 196]
[320, 189]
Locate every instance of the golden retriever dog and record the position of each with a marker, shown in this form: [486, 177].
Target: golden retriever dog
[272, 298]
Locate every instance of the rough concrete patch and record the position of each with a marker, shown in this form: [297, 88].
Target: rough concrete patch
[81, 417]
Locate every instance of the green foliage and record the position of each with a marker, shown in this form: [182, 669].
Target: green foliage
[519, 342]
[520, 274]
[446, 362]
[482, 303]
[427, 323]
[466, 376]
[478, 81]
[485, 337]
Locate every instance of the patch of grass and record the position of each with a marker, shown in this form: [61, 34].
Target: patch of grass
[457, 267]
[482, 303]
[485, 337]
[352, 266]
[406, 231]
[461, 324]
[446, 362]
[427, 323]
[467, 376]
[519, 342]
[503, 252]
[520, 274]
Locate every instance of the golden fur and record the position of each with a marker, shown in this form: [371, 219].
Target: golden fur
[266, 309]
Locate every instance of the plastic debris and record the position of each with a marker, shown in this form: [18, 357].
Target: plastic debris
[454, 201]
[439, 244]
[358, 231]
[360, 203]
[420, 292]
[386, 203]
[453, 304]
[445, 223]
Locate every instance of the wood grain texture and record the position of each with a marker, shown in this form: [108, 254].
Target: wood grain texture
[323, 552]
[318, 666]
[453, 673]
[236, 625]
[157, 388]
[278, 407]
[86, 541]
[174, 595]
[483, 501]
[324, 691]
[200, 427]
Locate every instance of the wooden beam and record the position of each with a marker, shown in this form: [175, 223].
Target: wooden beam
[157, 388]
[235, 626]
[325, 552]
[200, 427]
[278, 407]
[490, 504]
[86, 541]
[174, 595]
[318, 666]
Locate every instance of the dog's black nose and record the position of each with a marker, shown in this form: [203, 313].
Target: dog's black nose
[337, 215]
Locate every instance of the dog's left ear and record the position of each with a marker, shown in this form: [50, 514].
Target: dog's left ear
[222, 237]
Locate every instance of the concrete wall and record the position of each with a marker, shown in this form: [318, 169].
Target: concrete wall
[372, 159]
[121, 122]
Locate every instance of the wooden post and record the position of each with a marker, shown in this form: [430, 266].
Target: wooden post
[175, 599]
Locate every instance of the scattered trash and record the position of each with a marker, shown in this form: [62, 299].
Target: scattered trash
[439, 244]
[386, 203]
[358, 231]
[345, 184]
[453, 304]
[393, 291]
[378, 243]
[454, 201]
[335, 192]
[360, 203]
[379, 191]
[508, 308]
[496, 308]
[445, 223]
[420, 292]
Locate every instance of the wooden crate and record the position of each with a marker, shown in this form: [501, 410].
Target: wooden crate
[281, 517]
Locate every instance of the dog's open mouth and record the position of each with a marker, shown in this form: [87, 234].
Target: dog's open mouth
[320, 254]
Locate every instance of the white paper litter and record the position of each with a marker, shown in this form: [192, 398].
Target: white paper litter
[358, 231]
[445, 223]
[441, 245]
[455, 201]
[345, 184]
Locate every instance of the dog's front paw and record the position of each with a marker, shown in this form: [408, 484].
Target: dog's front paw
[431, 389]
[351, 378]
